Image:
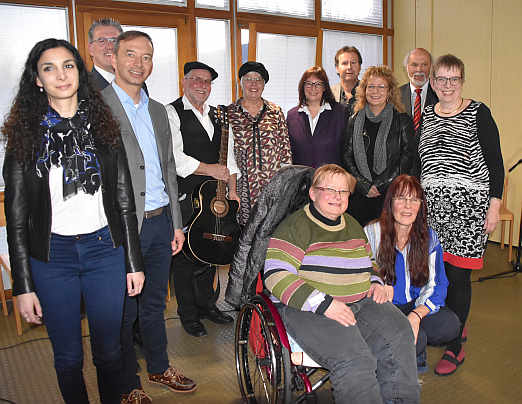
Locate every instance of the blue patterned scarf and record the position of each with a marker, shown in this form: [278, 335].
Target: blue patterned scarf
[68, 143]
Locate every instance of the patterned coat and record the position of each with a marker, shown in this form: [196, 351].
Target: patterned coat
[261, 147]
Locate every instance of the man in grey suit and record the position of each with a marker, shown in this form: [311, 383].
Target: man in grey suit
[147, 139]
[417, 93]
[102, 36]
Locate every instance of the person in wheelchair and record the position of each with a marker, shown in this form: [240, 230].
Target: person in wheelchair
[409, 256]
[332, 301]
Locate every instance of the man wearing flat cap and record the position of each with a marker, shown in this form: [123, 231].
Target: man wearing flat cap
[196, 138]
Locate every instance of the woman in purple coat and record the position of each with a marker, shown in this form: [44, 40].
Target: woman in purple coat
[317, 124]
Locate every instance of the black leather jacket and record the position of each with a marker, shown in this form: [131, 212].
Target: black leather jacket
[400, 154]
[28, 213]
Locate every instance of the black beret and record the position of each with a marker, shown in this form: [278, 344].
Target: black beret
[257, 67]
[199, 65]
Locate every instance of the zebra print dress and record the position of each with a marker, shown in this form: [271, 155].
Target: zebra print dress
[455, 178]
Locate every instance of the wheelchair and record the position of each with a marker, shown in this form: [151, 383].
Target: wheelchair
[263, 351]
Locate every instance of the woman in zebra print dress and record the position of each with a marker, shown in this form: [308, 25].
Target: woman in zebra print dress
[462, 174]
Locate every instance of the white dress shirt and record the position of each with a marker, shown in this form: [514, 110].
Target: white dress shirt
[313, 121]
[185, 164]
[413, 94]
[105, 74]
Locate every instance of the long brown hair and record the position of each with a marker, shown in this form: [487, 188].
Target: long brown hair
[21, 126]
[418, 237]
[384, 72]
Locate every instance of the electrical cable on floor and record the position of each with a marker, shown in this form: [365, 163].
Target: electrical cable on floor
[3, 348]
[222, 311]
[5, 400]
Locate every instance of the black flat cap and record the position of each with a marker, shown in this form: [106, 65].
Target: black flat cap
[257, 67]
[199, 65]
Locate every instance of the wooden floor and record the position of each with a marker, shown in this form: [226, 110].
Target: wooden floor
[492, 372]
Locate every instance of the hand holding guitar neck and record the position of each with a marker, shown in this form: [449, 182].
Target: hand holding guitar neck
[213, 234]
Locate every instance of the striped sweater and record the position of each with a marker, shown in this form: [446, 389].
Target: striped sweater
[309, 263]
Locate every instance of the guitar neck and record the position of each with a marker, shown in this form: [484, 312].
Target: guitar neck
[221, 190]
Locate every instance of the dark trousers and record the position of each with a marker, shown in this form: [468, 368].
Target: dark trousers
[193, 283]
[89, 266]
[364, 209]
[148, 307]
[436, 329]
[372, 362]
[458, 299]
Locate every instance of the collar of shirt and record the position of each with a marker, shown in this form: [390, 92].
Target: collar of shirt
[311, 120]
[305, 109]
[125, 98]
[109, 76]
[424, 88]
[188, 105]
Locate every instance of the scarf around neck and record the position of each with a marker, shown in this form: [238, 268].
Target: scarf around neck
[68, 143]
[379, 155]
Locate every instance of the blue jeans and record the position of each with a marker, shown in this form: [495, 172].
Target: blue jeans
[370, 362]
[85, 265]
[148, 307]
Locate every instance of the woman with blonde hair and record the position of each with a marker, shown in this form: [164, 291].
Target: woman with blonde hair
[378, 143]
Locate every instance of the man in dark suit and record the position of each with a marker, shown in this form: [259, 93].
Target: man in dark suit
[148, 143]
[196, 140]
[417, 94]
[102, 36]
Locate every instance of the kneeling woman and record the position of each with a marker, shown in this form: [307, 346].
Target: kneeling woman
[409, 256]
[333, 303]
[71, 223]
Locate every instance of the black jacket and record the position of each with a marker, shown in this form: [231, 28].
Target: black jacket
[286, 192]
[400, 152]
[28, 213]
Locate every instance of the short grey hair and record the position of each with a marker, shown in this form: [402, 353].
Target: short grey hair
[407, 57]
[104, 22]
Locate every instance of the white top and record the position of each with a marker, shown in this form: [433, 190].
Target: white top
[313, 121]
[413, 95]
[185, 164]
[79, 214]
[106, 75]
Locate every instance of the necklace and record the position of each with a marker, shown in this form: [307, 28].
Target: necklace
[451, 112]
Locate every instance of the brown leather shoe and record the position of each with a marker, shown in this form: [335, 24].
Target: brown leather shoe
[136, 396]
[174, 380]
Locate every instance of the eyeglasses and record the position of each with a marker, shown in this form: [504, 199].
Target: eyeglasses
[253, 80]
[381, 88]
[402, 200]
[333, 192]
[442, 81]
[314, 84]
[102, 41]
[200, 81]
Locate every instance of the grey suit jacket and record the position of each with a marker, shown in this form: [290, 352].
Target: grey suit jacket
[431, 97]
[160, 122]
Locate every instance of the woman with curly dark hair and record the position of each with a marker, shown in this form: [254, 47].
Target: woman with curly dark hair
[71, 223]
[409, 257]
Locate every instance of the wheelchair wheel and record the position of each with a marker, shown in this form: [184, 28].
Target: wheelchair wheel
[262, 363]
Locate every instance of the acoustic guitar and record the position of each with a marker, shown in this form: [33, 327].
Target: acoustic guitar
[212, 234]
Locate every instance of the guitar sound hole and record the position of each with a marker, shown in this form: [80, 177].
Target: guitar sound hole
[219, 207]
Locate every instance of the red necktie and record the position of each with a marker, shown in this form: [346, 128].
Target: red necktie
[417, 109]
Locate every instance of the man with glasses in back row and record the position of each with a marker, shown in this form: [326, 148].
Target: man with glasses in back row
[102, 37]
